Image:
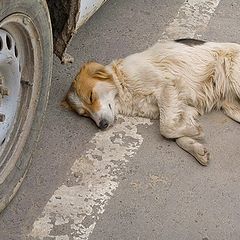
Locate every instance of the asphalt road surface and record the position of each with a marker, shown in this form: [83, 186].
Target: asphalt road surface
[129, 183]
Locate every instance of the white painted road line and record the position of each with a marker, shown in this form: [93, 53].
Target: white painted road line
[192, 17]
[94, 177]
[80, 201]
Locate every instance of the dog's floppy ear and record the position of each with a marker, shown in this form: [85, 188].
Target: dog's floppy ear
[96, 70]
[101, 74]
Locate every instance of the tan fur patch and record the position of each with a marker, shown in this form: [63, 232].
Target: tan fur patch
[90, 74]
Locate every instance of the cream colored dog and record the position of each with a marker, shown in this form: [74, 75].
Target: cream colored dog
[174, 81]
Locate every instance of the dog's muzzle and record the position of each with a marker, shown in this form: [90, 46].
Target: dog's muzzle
[103, 124]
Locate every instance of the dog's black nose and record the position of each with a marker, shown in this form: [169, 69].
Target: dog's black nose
[103, 124]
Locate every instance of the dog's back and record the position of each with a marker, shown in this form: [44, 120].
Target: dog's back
[206, 74]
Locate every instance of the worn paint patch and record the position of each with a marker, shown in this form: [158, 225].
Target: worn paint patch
[192, 17]
[76, 205]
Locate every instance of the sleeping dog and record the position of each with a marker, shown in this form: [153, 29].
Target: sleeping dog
[173, 81]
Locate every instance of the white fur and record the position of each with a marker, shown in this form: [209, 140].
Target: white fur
[106, 95]
[176, 83]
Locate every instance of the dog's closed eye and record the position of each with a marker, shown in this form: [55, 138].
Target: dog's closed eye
[91, 97]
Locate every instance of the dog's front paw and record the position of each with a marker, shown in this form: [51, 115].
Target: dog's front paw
[201, 154]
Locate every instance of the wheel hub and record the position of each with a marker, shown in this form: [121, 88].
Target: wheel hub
[10, 81]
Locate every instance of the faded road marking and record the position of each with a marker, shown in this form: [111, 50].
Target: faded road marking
[75, 206]
[192, 17]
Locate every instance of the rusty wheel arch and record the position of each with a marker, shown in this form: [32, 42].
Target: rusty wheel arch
[64, 15]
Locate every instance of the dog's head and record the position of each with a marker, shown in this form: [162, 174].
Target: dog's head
[92, 94]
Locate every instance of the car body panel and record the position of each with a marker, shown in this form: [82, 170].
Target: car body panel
[67, 16]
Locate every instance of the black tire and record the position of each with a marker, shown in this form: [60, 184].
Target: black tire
[17, 151]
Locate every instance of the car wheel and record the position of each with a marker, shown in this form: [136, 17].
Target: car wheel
[25, 76]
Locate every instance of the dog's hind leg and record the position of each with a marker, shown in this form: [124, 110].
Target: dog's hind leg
[178, 121]
[195, 148]
[181, 128]
[232, 110]
[186, 132]
[176, 118]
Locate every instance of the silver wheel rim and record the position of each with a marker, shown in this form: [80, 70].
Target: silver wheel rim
[22, 76]
[10, 77]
